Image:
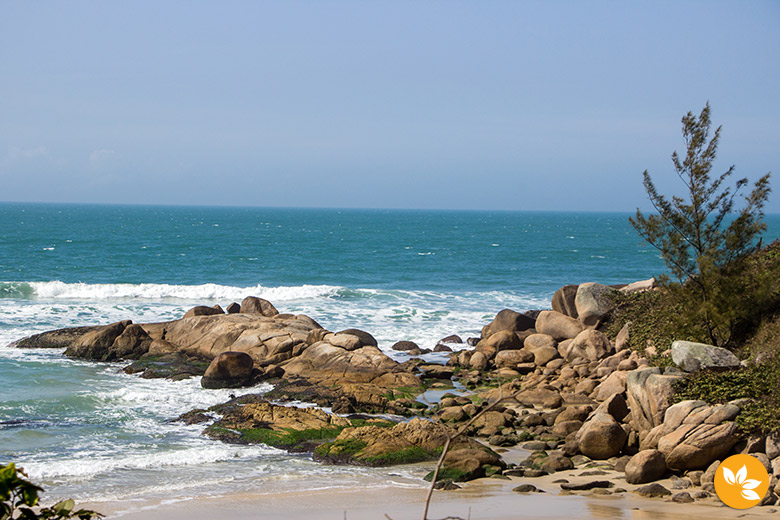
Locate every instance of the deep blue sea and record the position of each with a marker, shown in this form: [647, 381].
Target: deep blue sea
[88, 430]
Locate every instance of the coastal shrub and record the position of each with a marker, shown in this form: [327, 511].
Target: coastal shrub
[18, 497]
[759, 382]
[703, 242]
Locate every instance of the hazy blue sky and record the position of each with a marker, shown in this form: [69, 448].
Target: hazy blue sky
[553, 105]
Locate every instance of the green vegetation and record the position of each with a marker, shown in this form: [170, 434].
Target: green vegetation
[342, 447]
[404, 456]
[18, 496]
[760, 383]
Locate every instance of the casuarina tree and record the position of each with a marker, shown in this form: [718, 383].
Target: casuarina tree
[705, 235]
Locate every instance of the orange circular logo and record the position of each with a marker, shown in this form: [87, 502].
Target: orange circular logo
[741, 481]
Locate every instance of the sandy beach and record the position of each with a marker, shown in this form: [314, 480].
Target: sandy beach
[486, 499]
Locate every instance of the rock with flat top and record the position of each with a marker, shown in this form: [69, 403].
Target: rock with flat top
[693, 357]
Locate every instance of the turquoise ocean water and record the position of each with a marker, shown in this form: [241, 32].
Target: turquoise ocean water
[88, 430]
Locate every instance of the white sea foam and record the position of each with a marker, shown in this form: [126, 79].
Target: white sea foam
[205, 292]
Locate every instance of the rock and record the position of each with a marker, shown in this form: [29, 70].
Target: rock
[324, 362]
[537, 340]
[615, 406]
[621, 463]
[773, 445]
[478, 361]
[527, 488]
[501, 340]
[563, 301]
[653, 491]
[544, 355]
[601, 437]
[557, 325]
[450, 339]
[621, 341]
[452, 414]
[645, 466]
[437, 371]
[96, 345]
[574, 413]
[441, 348]
[587, 485]
[593, 302]
[366, 339]
[564, 428]
[639, 286]
[405, 345]
[649, 395]
[255, 305]
[556, 462]
[682, 498]
[233, 308]
[512, 358]
[696, 446]
[228, 370]
[589, 344]
[614, 384]
[544, 397]
[508, 320]
[202, 310]
[693, 357]
[60, 338]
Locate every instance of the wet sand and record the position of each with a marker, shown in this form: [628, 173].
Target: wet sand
[485, 499]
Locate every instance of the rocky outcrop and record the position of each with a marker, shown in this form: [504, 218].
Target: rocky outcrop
[60, 338]
[121, 340]
[693, 357]
[228, 370]
[649, 394]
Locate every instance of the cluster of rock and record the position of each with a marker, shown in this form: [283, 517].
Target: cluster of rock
[572, 396]
[592, 399]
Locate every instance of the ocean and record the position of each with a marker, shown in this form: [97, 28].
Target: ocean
[88, 430]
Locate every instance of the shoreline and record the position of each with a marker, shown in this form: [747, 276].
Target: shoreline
[483, 499]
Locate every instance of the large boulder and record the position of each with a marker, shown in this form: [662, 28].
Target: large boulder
[96, 345]
[255, 305]
[693, 357]
[324, 362]
[601, 437]
[558, 325]
[593, 302]
[228, 370]
[563, 300]
[508, 320]
[269, 341]
[501, 340]
[697, 446]
[512, 358]
[366, 339]
[591, 345]
[645, 466]
[649, 394]
[694, 434]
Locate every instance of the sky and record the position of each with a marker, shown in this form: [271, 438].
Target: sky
[498, 105]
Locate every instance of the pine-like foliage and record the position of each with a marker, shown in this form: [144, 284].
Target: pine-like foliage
[702, 237]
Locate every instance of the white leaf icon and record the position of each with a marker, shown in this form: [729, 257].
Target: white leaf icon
[742, 474]
[749, 494]
[751, 484]
[729, 475]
